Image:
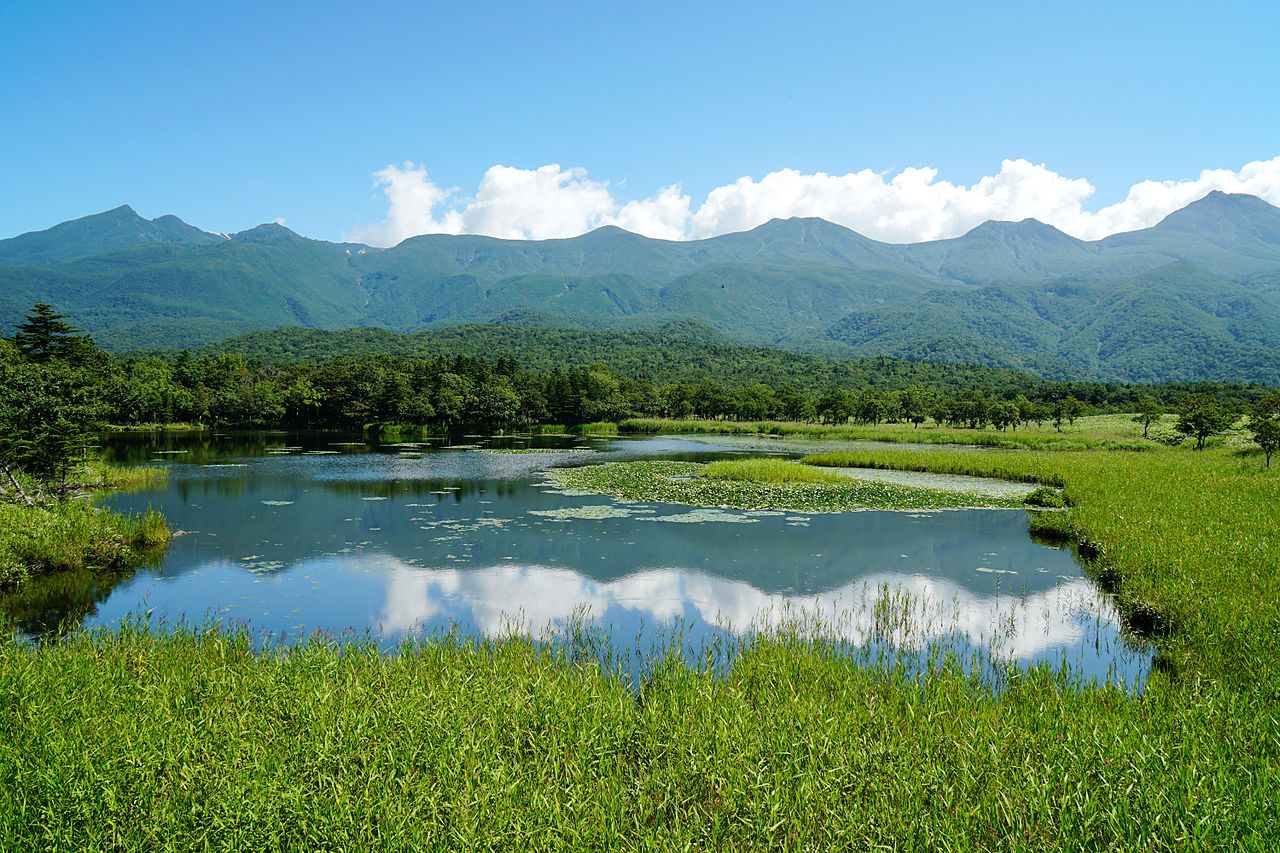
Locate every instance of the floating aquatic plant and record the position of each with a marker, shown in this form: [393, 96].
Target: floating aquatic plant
[536, 450]
[686, 483]
[587, 512]
[708, 514]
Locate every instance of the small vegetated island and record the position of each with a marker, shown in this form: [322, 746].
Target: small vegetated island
[763, 484]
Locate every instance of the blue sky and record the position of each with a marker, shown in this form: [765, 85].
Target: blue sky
[230, 114]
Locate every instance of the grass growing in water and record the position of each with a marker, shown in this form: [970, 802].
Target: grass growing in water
[597, 428]
[101, 476]
[688, 483]
[519, 450]
[768, 471]
[72, 535]
[1189, 540]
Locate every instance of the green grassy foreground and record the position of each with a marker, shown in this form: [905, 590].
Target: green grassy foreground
[187, 740]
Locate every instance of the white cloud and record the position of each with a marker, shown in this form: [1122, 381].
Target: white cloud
[909, 206]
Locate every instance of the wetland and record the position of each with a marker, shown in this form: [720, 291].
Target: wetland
[290, 535]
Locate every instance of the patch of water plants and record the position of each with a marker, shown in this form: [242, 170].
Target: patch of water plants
[758, 484]
[562, 450]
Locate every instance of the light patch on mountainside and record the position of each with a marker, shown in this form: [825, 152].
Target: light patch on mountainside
[912, 205]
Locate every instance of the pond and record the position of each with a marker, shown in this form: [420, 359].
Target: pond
[293, 533]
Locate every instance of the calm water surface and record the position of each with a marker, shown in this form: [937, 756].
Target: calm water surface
[296, 533]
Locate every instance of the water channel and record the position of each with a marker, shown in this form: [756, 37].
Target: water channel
[291, 533]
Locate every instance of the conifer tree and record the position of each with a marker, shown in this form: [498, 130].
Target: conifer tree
[44, 336]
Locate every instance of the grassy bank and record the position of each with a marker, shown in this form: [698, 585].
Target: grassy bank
[1188, 540]
[41, 536]
[186, 740]
[180, 426]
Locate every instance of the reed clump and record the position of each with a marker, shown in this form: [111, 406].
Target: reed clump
[767, 470]
[40, 534]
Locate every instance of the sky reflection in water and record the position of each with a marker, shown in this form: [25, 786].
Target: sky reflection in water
[395, 545]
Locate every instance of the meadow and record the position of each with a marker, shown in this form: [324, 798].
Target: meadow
[187, 738]
[1099, 431]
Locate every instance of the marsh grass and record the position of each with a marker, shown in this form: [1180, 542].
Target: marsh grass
[176, 426]
[528, 450]
[188, 738]
[545, 429]
[51, 535]
[73, 536]
[766, 470]
[1040, 469]
[389, 430]
[97, 475]
[597, 428]
[1083, 435]
[764, 486]
[1191, 536]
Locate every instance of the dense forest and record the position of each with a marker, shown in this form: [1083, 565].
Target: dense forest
[51, 375]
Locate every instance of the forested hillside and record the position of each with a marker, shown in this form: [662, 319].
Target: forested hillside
[1192, 298]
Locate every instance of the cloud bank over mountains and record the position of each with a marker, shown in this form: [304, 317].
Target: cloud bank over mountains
[910, 206]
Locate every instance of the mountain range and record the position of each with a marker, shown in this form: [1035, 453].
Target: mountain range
[1194, 297]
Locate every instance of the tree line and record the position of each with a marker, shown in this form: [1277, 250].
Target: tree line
[56, 386]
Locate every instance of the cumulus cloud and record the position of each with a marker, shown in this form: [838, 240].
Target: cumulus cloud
[909, 206]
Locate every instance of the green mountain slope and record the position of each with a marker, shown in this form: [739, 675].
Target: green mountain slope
[1021, 294]
[1176, 323]
[1236, 236]
[766, 304]
[120, 228]
[170, 295]
[1001, 251]
[678, 351]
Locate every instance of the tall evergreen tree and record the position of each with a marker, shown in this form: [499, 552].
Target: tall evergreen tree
[44, 335]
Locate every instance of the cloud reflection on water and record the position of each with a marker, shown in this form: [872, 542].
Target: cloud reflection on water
[906, 609]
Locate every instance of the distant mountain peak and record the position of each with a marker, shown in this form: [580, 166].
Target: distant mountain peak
[98, 233]
[1022, 228]
[1225, 213]
[268, 232]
